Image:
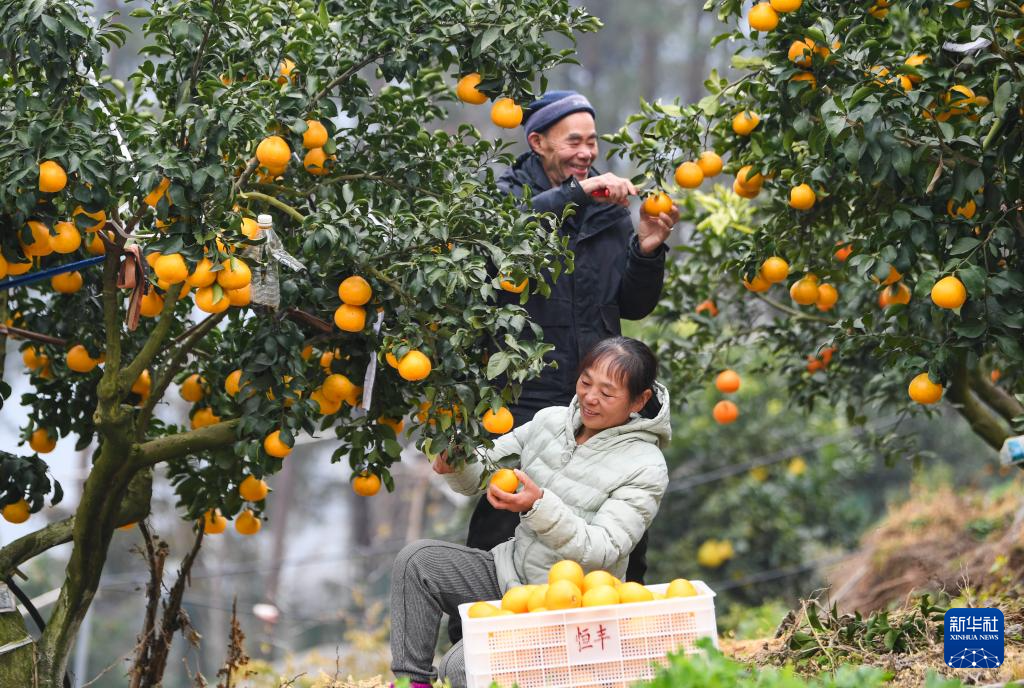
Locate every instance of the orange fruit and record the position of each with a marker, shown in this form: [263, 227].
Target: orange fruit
[18, 512]
[600, 596]
[42, 442]
[563, 594]
[366, 484]
[634, 592]
[762, 17]
[337, 387]
[966, 211]
[315, 162]
[252, 489]
[774, 269]
[66, 240]
[801, 197]
[482, 610]
[355, 291]
[680, 587]
[467, 92]
[32, 358]
[79, 360]
[40, 243]
[710, 164]
[806, 76]
[995, 375]
[843, 252]
[709, 306]
[284, 68]
[171, 268]
[505, 113]
[231, 382]
[247, 523]
[689, 175]
[923, 390]
[326, 407]
[745, 122]
[827, 297]
[804, 291]
[67, 282]
[100, 216]
[143, 384]
[19, 268]
[598, 578]
[154, 196]
[239, 297]
[725, 412]
[891, 278]
[878, 12]
[204, 300]
[915, 61]
[758, 284]
[536, 600]
[657, 203]
[315, 135]
[214, 523]
[743, 191]
[191, 389]
[414, 366]
[234, 275]
[395, 424]
[203, 417]
[516, 598]
[499, 423]
[350, 318]
[896, 293]
[505, 479]
[727, 381]
[510, 286]
[274, 446]
[202, 276]
[273, 153]
[749, 181]
[52, 177]
[391, 359]
[250, 228]
[567, 570]
[786, 5]
[800, 53]
[949, 292]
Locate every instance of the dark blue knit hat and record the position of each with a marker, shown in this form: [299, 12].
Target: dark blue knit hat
[553, 106]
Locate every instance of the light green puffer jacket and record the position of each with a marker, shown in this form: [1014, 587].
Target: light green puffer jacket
[599, 497]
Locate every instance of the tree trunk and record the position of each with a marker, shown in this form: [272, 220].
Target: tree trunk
[16, 666]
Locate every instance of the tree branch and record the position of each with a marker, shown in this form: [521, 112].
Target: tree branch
[173, 446]
[29, 546]
[982, 422]
[170, 369]
[341, 78]
[270, 200]
[792, 311]
[153, 344]
[1001, 402]
[107, 388]
[244, 177]
[20, 333]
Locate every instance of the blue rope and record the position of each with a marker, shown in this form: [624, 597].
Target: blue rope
[49, 272]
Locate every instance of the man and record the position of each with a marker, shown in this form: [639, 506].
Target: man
[618, 271]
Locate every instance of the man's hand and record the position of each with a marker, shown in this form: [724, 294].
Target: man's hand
[441, 464]
[619, 189]
[654, 229]
[519, 502]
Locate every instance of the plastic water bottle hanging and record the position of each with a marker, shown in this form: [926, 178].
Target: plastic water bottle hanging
[266, 259]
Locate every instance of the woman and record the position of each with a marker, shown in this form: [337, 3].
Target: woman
[592, 478]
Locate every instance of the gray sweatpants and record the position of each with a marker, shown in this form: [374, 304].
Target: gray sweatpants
[430, 577]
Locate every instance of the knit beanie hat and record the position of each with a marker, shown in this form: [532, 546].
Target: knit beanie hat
[553, 106]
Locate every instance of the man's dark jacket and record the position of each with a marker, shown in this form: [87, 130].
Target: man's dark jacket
[611, 279]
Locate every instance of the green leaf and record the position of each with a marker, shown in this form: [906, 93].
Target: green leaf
[963, 245]
[497, 364]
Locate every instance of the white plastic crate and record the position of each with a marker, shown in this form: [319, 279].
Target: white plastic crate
[612, 645]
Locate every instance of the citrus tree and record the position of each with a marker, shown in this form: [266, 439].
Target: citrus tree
[871, 238]
[382, 245]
